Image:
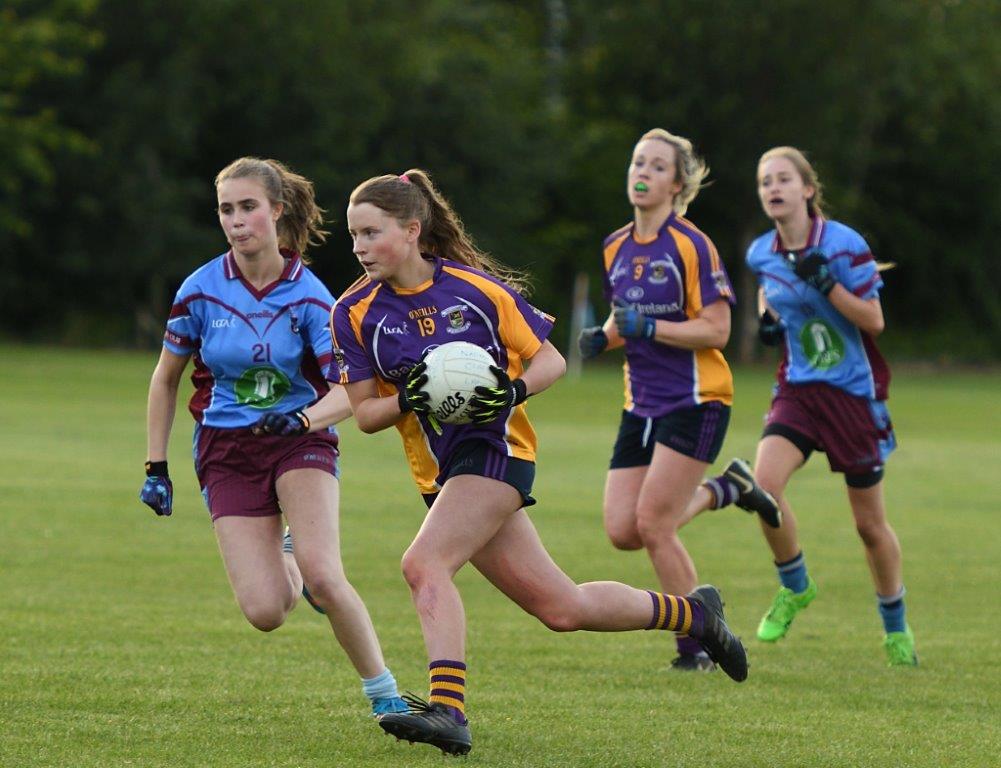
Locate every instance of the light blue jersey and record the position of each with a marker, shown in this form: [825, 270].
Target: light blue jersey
[254, 350]
[822, 345]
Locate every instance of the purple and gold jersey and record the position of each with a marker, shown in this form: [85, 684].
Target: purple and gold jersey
[821, 344]
[254, 350]
[670, 277]
[380, 333]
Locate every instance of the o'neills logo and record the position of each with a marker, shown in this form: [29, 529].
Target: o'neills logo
[413, 314]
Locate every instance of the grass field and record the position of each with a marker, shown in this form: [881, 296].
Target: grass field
[122, 644]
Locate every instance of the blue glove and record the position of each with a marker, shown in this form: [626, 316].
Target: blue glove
[592, 342]
[814, 270]
[770, 329]
[158, 492]
[631, 323]
[282, 424]
[489, 403]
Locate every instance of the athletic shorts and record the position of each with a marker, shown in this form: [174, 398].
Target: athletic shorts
[697, 432]
[855, 432]
[478, 457]
[237, 470]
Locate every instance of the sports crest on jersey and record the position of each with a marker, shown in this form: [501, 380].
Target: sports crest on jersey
[457, 322]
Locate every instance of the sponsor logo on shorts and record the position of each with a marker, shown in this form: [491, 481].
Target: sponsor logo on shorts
[319, 458]
[822, 344]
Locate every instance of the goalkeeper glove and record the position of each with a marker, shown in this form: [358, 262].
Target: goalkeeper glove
[490, 402]
[411, 396]
[157, 492]
[631, 323]
[282, 424]
[814, 270]
[770, 329]
[592, 342]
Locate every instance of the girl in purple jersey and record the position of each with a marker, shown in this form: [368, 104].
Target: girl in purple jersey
[269, 215]
[811, 415]
[671, 302]
[408, 240]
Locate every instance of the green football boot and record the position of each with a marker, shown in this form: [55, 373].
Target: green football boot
[899, 647]
[784, 608]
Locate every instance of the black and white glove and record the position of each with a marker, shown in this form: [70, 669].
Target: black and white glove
[770, 329]
[814, 270]
[282, 424]
[592, 342]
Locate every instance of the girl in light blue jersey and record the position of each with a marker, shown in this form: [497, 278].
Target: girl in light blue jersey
[819, 299]
[255, 321]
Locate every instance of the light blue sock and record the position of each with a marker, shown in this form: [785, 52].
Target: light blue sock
[891, 611]
[382, 686]
[792, 574]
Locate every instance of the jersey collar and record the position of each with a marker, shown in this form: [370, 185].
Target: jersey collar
[812, 240]
[426, 284]
[291, 272]
[663, 228]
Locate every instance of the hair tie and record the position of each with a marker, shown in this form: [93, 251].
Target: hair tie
[404, 178]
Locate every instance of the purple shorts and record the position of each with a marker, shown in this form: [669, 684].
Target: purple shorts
[855, 432]
[237, 470]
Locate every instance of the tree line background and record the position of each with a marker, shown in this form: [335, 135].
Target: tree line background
[115, 116]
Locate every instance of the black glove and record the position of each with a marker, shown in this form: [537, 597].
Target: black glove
[158, 492]
[282, 424]
[411, 397]
[770, 329]
[815, 271]
[592, 342]
[631, 323]
[490, 402]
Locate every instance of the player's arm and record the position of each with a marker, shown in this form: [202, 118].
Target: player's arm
[373, 412]
[709, 329]
[162, 402]
[866, 314]
[333, 408]
[158, 492]
[544, 367]
[612, 333]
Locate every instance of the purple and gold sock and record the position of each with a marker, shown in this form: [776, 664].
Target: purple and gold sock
[724, 491]
[675, 613]
[688, 646]
[448, 687]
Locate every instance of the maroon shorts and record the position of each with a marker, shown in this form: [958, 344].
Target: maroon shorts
[855, 432]
[237, 470]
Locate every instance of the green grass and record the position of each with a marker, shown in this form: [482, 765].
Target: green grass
[122, 644]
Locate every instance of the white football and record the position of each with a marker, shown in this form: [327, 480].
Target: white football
[454, 371]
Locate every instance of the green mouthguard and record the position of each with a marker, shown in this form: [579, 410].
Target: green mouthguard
[641, 187]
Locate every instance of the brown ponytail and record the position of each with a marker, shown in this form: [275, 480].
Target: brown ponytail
[412, 195]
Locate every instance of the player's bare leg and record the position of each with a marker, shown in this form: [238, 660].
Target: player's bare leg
[622, 491]
[309, 498]
[257, 572]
